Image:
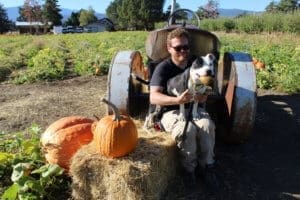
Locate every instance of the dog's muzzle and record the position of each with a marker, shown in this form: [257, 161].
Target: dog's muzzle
[207, 80]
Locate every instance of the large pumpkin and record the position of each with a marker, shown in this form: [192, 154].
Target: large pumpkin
[115, 135]
[64, 137]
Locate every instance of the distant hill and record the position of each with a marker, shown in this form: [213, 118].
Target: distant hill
[234, 12]
[13, 13]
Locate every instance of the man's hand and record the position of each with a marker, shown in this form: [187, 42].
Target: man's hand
[185, 97]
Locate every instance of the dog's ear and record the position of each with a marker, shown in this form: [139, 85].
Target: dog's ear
[198, 62]
[211, 56]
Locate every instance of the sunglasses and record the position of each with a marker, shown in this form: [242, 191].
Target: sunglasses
[181, 47]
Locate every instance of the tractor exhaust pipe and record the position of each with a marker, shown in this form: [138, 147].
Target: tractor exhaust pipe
[172, 11]
[173, 6]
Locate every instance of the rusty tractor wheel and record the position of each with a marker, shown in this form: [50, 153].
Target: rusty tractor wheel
[126, 89]
[238, 86]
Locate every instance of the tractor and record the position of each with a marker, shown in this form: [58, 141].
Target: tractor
[232, 106]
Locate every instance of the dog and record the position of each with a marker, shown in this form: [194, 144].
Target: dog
[198, 79]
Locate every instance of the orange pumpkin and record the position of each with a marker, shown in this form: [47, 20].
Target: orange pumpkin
[64, 137]
[254, 60]
[260, 65]
[115, 135]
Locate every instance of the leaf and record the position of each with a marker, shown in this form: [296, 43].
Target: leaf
[11, 192]
[20, 170]
[41, 169]
[53, 170]
[28, 147]
[28, 196]
[34, 185]
[5, 157]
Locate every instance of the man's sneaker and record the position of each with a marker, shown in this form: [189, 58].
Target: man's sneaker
[210, 178]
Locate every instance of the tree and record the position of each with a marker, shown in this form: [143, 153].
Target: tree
[32, 11]
[210, 10]
[135, 14]
[283, 6]
[150, 12]
[21, 16]
[4, 21]
[87, 16]
[73, 20]
[112, 11]
[272, 7]
[167, 14]
[288, 5]
[51, 12]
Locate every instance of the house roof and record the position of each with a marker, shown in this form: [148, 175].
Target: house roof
[18, 23]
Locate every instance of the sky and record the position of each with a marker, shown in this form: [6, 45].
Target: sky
[101, 5]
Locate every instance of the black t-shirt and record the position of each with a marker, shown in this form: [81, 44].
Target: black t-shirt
[163, 72]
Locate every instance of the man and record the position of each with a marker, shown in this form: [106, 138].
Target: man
[198, 146]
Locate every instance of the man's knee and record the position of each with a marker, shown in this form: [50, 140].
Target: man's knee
[206, 125]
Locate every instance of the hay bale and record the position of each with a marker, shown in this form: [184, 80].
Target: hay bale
[144, 174]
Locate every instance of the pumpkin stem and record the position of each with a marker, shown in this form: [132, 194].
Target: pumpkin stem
[116, 111]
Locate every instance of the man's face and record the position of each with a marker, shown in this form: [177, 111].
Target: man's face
[179, 49]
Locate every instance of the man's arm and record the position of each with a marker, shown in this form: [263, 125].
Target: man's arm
[158, 98]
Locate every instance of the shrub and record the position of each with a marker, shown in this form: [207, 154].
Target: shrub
[229, 25]
[48, 64]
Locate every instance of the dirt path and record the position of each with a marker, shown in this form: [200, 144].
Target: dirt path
[267, 166]
[43, 103]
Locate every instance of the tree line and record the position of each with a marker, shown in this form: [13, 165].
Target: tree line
[125, 14]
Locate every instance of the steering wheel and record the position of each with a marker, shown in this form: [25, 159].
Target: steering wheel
[184, 17]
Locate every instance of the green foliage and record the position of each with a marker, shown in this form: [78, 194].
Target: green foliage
[279, 53]
[87, 16]
[266, 22]
[22, 166]
[48, 64]
[4, 21]
[54, 57]
[51, 12]
[135, 14]
[73, 20]
[250, 24]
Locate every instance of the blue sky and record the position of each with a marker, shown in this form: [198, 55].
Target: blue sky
[101, 5]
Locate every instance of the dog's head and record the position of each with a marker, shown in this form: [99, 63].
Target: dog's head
[202, 70]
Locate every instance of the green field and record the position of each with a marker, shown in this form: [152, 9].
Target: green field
[37, 58]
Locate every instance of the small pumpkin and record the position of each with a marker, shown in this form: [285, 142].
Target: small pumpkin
[64, 137]
[254, 60]
[260, 65]
[115, 135]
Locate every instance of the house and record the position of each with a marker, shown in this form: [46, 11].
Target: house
[32, 27]
[57, 29]
[100, 25]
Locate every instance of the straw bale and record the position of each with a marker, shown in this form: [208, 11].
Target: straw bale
[144, 174]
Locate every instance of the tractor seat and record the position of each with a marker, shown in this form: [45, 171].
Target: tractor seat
[203, 42]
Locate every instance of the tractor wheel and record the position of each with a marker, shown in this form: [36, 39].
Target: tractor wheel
[238, 86]
[124, 91]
